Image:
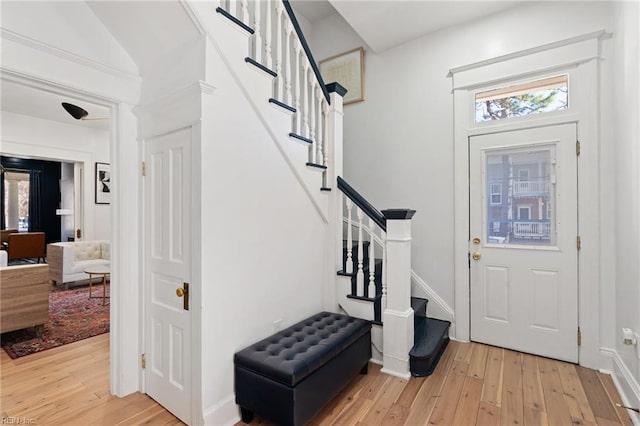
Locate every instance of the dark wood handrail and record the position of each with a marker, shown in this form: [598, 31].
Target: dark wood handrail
[305, 46]
[361, 202]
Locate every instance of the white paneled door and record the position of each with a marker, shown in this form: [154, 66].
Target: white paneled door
[523, 248]
[168, 272]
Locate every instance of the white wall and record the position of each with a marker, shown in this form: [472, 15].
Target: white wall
[399, 141]
[26, 136]
[262, 239]
[626, 116]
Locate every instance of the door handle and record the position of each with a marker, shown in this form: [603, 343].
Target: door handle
[184, 292]
[476, 255]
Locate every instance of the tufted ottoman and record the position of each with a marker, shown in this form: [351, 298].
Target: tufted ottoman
[288, 377]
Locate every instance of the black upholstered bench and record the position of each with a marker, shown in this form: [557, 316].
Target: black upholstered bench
[288, 377]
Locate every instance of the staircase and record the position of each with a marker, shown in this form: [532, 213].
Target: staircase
[430, 335]
[303, 118]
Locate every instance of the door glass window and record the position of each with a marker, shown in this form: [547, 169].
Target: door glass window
[526, 212]
[534, 97]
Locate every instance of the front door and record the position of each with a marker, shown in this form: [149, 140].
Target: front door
[168, 272]
[523, 248]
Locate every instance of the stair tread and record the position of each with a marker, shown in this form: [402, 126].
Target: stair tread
[427, 337]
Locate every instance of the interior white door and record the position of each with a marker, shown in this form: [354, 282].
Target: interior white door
[168, 272]
[524, 256]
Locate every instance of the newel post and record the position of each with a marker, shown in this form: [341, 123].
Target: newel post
[334, 156]
[398, 315]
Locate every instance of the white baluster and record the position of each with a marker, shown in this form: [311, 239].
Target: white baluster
[320, 125]
[245, 11]
[312, 120]
[305, 107]
[383, 237]
[257, 36]
[279, 79]
[287, 63]
[360, 274]
[231, 6]
[268, 35]
[372, 263]
[296, 121]
[349, 261]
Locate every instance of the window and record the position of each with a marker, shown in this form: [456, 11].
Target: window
[534, 97]
[16, 200]
[524, 213]
[496, 194]
[523, 175]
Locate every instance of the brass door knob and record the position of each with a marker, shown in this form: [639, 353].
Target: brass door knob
[476, 240]
[476, 256]
[179, 292]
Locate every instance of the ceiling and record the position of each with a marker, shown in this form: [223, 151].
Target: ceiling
[381, 24]
[386, 24]
[35, 102]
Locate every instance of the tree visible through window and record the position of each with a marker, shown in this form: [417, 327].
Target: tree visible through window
[550, 94]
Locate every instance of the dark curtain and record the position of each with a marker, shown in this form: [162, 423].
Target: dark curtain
[3, 225]
[35, 201]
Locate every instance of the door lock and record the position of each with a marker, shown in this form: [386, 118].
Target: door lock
[184, 292]
[476, 240]
[476, 255]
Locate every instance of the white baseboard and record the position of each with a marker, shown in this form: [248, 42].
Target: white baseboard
[627, 385]
[223, 413]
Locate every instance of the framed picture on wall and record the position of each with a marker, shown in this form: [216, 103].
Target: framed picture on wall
[347, 69]
[103, 183]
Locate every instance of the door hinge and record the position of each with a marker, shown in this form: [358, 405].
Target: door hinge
[577, 147]
[579, 337]
[143, 361]
[78, 233]
[578, 242]
[144, 168]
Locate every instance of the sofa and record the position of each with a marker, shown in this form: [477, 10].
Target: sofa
[24, 296]
[68, 260]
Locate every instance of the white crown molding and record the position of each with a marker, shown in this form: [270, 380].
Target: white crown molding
[66, 55]
[36, 82]
[600, 35]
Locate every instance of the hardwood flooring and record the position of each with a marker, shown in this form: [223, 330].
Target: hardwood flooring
[473, 384]
[69, 385]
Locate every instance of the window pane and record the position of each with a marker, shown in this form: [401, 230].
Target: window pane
[16, 200]
[550, 94]
[523, 212]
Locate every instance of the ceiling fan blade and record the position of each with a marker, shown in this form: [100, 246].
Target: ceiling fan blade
[75, 111]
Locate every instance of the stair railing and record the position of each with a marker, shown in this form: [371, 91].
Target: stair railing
[277, 42]
[372, 230]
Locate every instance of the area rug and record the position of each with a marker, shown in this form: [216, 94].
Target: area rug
[72, 317]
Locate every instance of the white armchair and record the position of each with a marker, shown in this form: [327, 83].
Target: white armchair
[68, 261]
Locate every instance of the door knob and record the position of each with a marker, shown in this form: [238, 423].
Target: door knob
[476, 240]
[179, 292]
[184, 292]
[476, 256]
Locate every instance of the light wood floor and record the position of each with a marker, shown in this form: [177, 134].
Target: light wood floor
[474, 384]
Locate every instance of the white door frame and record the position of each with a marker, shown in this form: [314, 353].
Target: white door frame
[177, 111]
[578, 57]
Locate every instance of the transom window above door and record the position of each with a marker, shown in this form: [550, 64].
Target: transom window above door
[533, 97]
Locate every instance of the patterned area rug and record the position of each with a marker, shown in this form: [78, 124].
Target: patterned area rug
[72, 317]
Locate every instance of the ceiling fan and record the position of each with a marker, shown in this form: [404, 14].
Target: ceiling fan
[79, 113]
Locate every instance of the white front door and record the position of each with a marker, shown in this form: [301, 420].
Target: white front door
[524, 225]
[168, 272]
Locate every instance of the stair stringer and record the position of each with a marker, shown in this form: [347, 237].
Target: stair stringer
[353, 307]
[438, 308]
[232, 45]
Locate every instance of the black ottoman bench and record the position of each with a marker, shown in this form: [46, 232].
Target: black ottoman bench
[290, 376]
